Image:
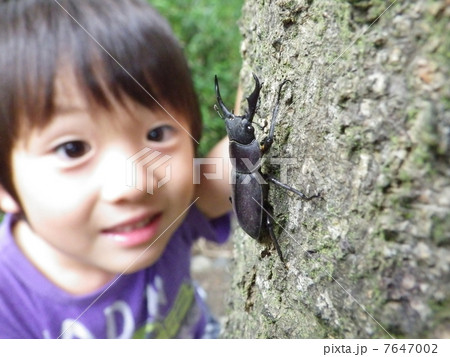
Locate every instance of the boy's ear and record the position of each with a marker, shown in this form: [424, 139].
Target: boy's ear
[7, 203]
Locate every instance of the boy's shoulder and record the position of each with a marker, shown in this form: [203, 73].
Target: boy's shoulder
[11, 259]
[177, 254]
[196, 225]
[7, 247]
[16, 300]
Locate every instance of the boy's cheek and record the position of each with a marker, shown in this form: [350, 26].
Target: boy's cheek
[177, 177]
[44, 194]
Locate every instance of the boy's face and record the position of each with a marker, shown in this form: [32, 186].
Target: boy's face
[71, 179]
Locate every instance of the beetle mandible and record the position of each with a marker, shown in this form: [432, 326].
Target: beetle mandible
[249, 187]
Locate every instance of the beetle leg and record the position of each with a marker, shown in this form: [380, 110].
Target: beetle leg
[289, 188]
[269, 224]
[267, 142]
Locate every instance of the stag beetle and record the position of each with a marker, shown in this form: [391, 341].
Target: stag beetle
[249, 189]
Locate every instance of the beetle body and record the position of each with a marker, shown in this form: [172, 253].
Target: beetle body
[247, 183]
[249, 188]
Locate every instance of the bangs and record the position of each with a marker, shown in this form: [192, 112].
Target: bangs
[116, 50]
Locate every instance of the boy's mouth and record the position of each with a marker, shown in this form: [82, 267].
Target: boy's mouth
[128, 227]
[134, 232]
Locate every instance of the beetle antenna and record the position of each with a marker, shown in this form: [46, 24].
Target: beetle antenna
[216, 108]
[261, 127]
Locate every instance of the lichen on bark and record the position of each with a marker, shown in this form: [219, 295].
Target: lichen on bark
[366, 121]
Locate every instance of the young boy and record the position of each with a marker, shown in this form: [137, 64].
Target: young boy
[85, 87]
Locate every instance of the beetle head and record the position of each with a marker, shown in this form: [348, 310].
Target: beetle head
[239, 127]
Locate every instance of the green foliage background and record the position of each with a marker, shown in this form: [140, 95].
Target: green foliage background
[209, 33]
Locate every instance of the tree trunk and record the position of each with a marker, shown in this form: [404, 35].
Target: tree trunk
[365, 121]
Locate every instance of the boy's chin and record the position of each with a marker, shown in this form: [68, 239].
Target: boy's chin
[143, 260]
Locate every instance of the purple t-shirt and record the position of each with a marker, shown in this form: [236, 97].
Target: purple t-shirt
[158, 302]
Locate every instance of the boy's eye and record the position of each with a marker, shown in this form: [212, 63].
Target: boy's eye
[73, 149]
[160, 133]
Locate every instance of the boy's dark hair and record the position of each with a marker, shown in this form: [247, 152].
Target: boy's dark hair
[109, 44]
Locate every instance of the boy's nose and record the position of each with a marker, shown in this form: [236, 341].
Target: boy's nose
[128, 178]
[119, 180]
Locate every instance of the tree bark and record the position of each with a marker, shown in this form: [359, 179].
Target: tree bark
[365, 121]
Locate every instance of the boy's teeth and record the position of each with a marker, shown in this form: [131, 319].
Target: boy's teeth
[132, 227]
